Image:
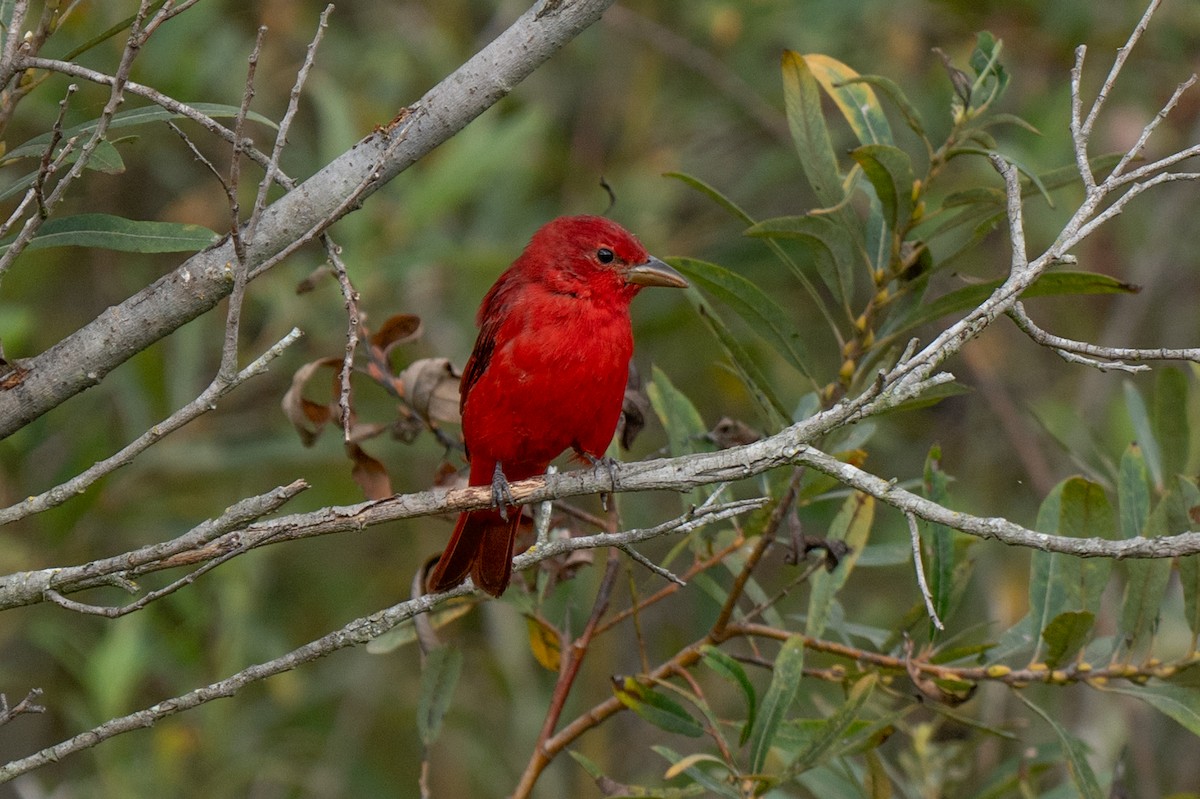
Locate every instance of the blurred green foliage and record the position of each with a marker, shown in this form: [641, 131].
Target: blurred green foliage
[655, 88]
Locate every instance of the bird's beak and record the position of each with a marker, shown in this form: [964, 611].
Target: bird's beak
[655, 273]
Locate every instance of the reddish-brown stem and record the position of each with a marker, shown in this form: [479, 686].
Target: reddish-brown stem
[572, 660]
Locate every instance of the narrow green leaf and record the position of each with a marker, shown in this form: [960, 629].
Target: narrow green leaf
[107, 232]
[835, 726]
[893, 92]
[1179, 702]
[890, 171]
[701, 778]
[1188, 513]
[979, 194]
[802, 99]
[1060, 583]
[1133, 492]
[785, 682]
[439, 676]
[751, 303]
[1145, 584]
[713, 194]
[939, 540]
[655, 707]
[1076, 754]
[732, 671]
[774, 411]
[852, 525]
[828, 244]
[985, 61]
[1139, 417]
[1066, 634]
[683, 423]
[126, 119]
[856, 100]
[1049, 284]
[1170, 420]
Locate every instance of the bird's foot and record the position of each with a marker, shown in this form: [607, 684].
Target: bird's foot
[608, 464]
[501, 495]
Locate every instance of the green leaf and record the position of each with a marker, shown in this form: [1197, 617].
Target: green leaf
[127, 119]
[985, 61]
[439, 676]
[835, 727]
[751, 303]
[979, 194]
[1076, 754]
[1059, 583]
[683, 423]
[655, 707]
[718, 787]
[1139, 417]
[857, 101]
[1145, 583]
[107, 232]
[1133, 492]
[1187, 503]
[890, 171]
[785, 682]
[774, 412]
[1170, 421]
[852, 525]
[1049, 284]
[732, 671]
[894, 93]
[1066, 634]
[939, 539]
[720, 199]
[828, 244]
[802, 99]
[1179, 702]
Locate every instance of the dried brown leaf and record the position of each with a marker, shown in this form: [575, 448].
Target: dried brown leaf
[398, 329]
[307, 416]
[634, 409]
[431, 385]
[314, 277]
[732, 432]
[369, 473]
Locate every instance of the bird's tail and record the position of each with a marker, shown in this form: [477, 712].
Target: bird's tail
[482, 545]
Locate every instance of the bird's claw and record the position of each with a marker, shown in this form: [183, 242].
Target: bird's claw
[501, 495]
[607, 463]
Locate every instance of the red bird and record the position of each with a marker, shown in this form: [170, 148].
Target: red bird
[547, 374]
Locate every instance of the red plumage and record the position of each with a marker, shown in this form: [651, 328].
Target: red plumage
[547, 374]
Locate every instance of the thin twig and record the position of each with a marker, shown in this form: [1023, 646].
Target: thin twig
[205, 402]
[26, 705]
[918, 564]
[1118, 64]
[158, 98]
[1114, 356]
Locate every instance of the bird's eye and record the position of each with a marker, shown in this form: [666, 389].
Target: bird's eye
[605, 255]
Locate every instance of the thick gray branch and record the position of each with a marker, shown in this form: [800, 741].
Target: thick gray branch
[83, 359]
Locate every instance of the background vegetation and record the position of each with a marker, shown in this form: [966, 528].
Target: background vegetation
[654, 88]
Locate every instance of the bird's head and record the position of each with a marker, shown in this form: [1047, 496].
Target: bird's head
[590, 254]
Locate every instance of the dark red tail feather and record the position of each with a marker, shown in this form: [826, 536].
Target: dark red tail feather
[482, 545]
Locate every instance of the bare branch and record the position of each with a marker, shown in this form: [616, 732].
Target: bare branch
[1114, 357]
[26, 705]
